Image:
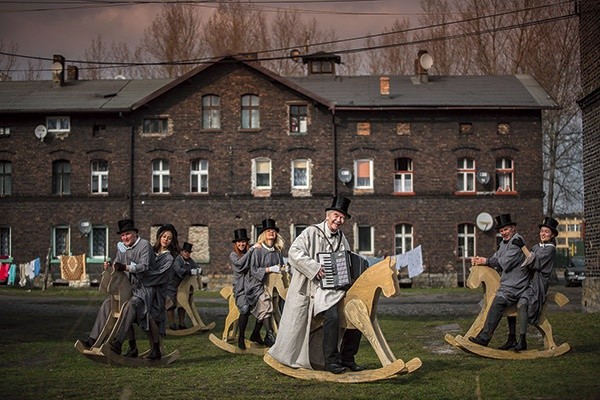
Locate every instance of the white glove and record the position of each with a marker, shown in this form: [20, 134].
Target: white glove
[274, 268]
[196, 271]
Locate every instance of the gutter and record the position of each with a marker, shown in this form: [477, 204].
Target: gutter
[131, 165]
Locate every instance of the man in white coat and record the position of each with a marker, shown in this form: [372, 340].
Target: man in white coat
[306, 299]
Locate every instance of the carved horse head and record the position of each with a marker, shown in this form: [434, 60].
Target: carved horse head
[477, 277]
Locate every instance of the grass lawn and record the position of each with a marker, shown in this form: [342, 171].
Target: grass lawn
[38, 360]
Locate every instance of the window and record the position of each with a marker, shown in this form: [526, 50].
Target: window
[363, 128]
[403, 128]
[60, 241]
[198, 235]
[58, 124]
[4, 131]
[5, 178]
[61, 177]
[155, 125]
[403, 238]
[403, 175]
[365, 239]
[300, 174]
[262, 173]
[199, 176]
[99, 242]
[466, 175]
[250, 112]
[321, 67]
[211, 112]
[297, 230]
[466, 240]
[363, 174]
[99, 176]
[160, 176]
[5, 249]
[298, 118]
[504, 175]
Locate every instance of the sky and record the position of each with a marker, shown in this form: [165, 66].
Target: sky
[43, 28]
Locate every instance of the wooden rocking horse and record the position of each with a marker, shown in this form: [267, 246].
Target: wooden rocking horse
[185, 300]
[490, 279]
[117, 286]
[360, 312]
[276, 285]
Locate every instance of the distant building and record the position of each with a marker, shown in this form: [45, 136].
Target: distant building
[426, 160]
[570, 235]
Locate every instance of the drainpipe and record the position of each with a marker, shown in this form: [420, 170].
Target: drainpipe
[335, 155]
[131, 165]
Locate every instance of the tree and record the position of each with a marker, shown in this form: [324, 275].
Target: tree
[8, 63]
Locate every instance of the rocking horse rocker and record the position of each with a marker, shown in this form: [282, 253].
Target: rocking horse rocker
[360, 312]
[117, 286]
[185, 300]
[490, 279]
[276, 285]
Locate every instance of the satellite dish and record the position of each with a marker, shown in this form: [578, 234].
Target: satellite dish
[122, 77]
[295, 55]
[40, 132]
[344, 175]
[426, 61]
[57, 67]
[483, 177]
[485, 222]
[85, 227]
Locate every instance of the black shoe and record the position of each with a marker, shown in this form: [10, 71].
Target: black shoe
[132, 352]
[510, 344]
[88, 342]
[478, 340]
[522, 345]
[182, 326]
[255, 337]
[335, 368]
[269, 339]
[352, 366]
[241, 343]
[155, 353]
[173, 327]
[115, 346]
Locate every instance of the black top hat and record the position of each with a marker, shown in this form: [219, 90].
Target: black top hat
[186, 247]
[551, 223]
[268, 224]
[503, 220]
[164, 228]
[239, 235]
[126, 225]
[340, 204]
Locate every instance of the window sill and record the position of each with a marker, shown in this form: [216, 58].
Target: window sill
[505, 193]
[211, 130]
[465, 193]
[250, 130]
[404, 193]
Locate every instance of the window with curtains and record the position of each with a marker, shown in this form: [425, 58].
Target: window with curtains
[61, 177]
[5, 178]
[250, 111]
[211, 112]
[61, 244]
[505, 175]
[300, 174]
[465, 182]
[298, 118]
[160, 176]
[99, 242]
[262, 173]
[363, 174]
[403, 175]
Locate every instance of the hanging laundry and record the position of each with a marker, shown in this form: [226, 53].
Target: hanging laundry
[72, 268]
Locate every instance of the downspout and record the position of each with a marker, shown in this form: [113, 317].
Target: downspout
[335, 154]
[131, 165]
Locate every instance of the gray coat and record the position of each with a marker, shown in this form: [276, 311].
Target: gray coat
[292, 347]
[181, 269]
[241, 278]
[541, 269]
[514, 277]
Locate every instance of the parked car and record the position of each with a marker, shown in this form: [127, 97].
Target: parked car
[575, 271]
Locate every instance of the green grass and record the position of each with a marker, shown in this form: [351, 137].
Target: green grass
[38, 361]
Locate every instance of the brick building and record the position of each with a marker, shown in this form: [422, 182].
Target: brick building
[589, 21]
[425, 159]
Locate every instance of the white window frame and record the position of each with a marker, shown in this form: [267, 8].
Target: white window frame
[250, 112]
[298, 118]
[99, 177]
[359, 231]
[296, 167]
[403, 238]
[211, 112]
[296, 230]
[505, 171]
[259, 167]
[60, 232]
[466, 175]
[98, 231]
[155, 126]
[467, 239]
[199, 175]
[58, 124]
[359, 184]
[160, 176]
[403, 179]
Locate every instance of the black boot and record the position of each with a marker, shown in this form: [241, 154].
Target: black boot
[522, 345]
[155, 353]
[510, 344]
[478, 340]
[116, 346]
[242, 322]
[133, 350]
[88, 342]
[255, 336]
[269, 338]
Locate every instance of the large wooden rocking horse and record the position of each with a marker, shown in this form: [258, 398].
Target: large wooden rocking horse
[360, 312]
[117, 286]
[276, 285]
[490, 280]
[185, 300]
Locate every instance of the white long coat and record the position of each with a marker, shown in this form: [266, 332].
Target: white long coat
[292, 345]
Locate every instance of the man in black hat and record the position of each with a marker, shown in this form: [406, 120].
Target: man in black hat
[541, 267]
[183, 266]
[514, 278]
[305, 299]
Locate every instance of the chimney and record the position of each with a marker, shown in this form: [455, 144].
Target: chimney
[58, 71]
[384, 86]
[423, 63]
[72, 73]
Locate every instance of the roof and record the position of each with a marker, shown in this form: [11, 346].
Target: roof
[340, 92]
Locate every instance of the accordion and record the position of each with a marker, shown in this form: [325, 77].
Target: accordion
[342, 268]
